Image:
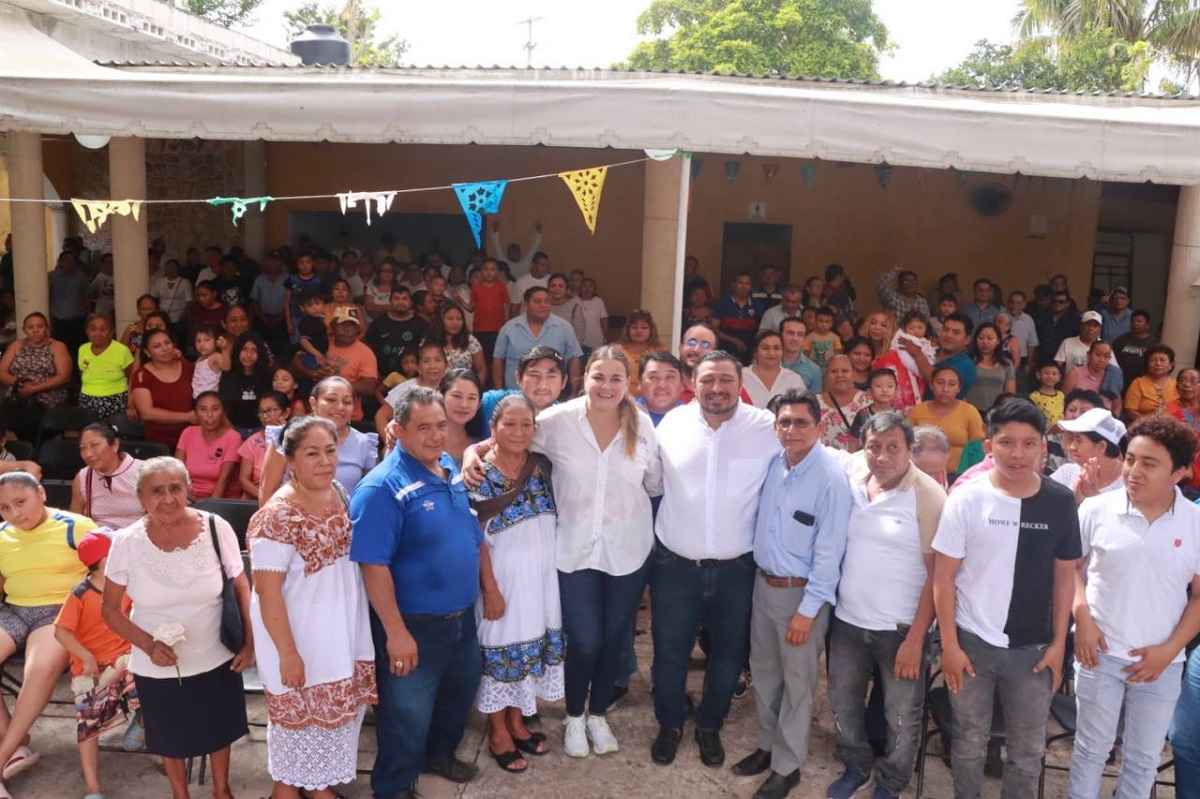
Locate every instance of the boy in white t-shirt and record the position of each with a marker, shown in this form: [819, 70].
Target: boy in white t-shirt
[1006, 551]
[1133, 617]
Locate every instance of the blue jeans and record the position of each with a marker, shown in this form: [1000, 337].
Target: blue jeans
[421, 717]
[1100, 694]
[854, 653]
[1025, 696]
[684, 594]
[597, 611]
[1185, 731]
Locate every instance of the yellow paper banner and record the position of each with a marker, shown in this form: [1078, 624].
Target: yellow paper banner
[585, 186]
[94, 213]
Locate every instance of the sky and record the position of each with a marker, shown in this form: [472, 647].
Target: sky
[929, 35]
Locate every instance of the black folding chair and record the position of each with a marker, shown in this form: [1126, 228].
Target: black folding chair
[144, 450]
[126, 428]
[63, 419]
[60, 459]
[20, 450]
[235, 511]
[58, 493]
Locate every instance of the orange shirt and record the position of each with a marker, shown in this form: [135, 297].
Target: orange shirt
[353, 363]
[80, 616]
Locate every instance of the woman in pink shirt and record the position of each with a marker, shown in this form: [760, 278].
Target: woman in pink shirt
[210, 450]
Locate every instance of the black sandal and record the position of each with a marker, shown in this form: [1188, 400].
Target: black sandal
[530, 745]
[505, 760]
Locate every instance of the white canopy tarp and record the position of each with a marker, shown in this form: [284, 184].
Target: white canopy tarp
[1102, 138]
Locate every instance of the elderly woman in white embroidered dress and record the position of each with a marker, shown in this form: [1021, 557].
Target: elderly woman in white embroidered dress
[311, 631]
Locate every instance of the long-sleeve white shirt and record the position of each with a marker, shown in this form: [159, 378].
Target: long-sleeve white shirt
[711, 480]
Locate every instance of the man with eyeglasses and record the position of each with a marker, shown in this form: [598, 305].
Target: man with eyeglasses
[1055, 327]
[793, 332]
[698, 341]
[799, 540]
[715, 453]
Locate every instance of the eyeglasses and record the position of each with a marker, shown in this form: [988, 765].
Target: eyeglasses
[269, 411]
[1188, 381]
[788, 424]
[695, 342]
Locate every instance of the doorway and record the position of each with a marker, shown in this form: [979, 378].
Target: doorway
[748, 247]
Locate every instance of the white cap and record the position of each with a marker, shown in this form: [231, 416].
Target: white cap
[1096, 420]
[1091, 316]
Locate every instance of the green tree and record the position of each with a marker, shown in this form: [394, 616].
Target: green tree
[223, 12]
[1171, 28]
[1095, 61]
[358, 24]
[814, 38]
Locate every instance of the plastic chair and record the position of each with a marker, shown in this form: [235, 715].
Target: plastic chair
[126, 429]
[60, 459]
[21, 450]
[144, 450]
[64, 419]
[58, 493]
[235, 511]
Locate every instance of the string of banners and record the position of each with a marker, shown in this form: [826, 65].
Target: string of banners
[477, 199]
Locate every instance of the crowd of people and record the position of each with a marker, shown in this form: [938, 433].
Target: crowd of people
[465, 489]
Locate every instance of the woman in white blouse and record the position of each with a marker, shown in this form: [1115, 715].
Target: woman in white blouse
[766, 377]
[605, 467]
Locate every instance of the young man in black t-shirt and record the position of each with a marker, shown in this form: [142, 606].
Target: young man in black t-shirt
[390, 334]
[1006, 550]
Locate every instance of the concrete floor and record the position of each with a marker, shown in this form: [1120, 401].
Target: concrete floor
[629, 773]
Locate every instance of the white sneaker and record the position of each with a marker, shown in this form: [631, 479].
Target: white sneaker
[603, 740]
[575, 739]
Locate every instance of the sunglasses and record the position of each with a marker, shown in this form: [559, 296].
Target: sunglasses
[694, 342]
[788, 424]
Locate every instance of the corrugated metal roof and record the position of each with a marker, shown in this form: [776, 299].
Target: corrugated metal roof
[593, 72]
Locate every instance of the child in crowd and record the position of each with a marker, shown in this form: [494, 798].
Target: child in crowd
[947, 305]
[207, 376]
[272, 412]
[881, 388]
[910, 388]
[103, 686]
[1046, 396]
[822, 344]
[408, 370]
[304, 280]
[314, 335]
[283, 380]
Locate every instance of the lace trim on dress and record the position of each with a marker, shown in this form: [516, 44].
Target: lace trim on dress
[319, 541]
[515, 662]
[329, 705]
[197, 558]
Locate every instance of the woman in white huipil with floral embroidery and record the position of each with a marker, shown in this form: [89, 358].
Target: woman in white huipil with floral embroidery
[309, 613]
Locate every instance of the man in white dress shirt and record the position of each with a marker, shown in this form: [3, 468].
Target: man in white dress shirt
[715, 454]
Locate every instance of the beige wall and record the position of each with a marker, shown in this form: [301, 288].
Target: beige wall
[612, 255]
[923, 219]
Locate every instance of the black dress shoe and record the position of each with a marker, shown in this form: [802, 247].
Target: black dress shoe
[778, 786]
[712, 754]
[665, 745]
[453, 769]
[753, 764]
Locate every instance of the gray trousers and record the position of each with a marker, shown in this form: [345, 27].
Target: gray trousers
[853, 654]
[785, 676]
[1025, 697]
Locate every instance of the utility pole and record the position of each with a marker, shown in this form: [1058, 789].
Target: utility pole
[529, 42]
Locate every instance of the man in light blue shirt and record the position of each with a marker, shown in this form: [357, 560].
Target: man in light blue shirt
[537, 326]
[799, 540]
[793, 330]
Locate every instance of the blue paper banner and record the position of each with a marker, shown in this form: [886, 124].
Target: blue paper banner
[478, 199]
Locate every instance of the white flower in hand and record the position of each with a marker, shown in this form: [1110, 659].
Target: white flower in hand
[171, 633]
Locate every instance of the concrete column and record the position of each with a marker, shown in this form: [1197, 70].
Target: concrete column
[254, 223]
[30, 262]
[131, 237]
[664, 240]
[1181, 322]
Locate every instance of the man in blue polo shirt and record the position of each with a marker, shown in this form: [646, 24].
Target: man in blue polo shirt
[417, 541]
[526, 331]
[953, 341]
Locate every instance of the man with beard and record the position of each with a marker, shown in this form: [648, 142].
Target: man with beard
[698, 341]
[715, 454]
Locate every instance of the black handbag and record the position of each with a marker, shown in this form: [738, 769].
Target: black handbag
[233, 630]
